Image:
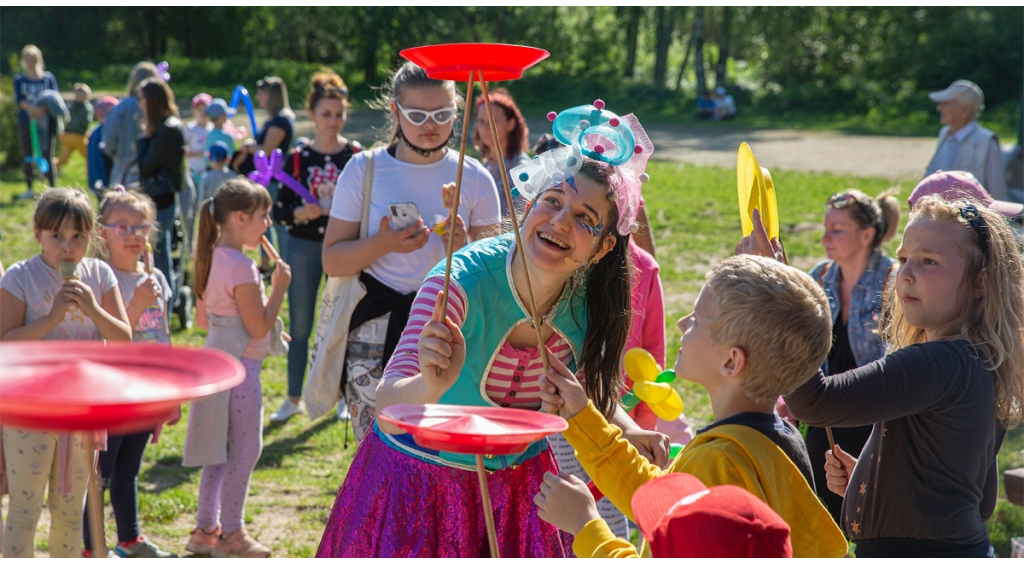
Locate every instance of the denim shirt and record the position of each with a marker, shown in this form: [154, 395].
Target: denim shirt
[865, 305]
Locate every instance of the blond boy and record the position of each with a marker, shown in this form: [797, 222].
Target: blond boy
[759, 329]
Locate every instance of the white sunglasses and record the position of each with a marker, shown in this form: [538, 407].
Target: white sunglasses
[419, 117]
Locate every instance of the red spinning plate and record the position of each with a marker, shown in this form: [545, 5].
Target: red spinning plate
[121, 387]
[472, 430]
[454, 61]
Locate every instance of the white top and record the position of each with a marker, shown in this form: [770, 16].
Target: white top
[195, 140]
[36, 283]
[396, 181]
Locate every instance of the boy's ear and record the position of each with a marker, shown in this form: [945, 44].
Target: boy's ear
[734, 362]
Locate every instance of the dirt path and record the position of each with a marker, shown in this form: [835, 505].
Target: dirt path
[893, 158]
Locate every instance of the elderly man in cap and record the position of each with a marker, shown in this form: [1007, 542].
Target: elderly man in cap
[963, 143]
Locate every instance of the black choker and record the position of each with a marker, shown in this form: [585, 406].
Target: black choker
[425, 152]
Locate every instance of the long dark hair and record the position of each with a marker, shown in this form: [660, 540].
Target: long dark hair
[159, 102]
[609, 308]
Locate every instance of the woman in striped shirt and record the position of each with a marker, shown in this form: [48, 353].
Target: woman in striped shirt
[400, 499]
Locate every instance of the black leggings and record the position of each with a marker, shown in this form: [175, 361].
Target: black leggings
[47, 146]
[119, 465]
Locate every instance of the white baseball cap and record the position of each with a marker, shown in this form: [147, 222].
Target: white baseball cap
[963, 91]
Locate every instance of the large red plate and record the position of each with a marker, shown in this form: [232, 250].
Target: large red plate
[472, 430]
[122, 387]
[454, 61]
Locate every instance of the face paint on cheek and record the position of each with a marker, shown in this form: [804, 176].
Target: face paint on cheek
[594, 231]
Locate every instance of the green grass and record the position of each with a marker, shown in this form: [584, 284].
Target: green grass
[693, 212]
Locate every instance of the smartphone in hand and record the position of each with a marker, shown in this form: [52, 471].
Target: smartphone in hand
[403, 214]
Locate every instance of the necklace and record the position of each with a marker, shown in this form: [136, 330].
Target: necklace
[425, 152]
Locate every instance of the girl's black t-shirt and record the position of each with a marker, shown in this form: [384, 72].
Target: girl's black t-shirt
[319, 173]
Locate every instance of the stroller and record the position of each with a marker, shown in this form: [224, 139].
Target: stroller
[181, 249]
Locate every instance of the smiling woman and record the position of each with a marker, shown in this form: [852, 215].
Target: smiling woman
[574, 242]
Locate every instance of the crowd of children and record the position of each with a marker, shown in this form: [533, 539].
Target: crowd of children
[924, 352]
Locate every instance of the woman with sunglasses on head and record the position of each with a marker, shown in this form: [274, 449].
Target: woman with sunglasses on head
[854, 278]
[391, 262]
[316, 165]
[276, 133]
[402, 500]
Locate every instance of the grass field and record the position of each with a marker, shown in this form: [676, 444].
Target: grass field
[693, 212]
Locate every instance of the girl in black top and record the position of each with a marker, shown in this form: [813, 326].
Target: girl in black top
[161, 159]
[317, 166]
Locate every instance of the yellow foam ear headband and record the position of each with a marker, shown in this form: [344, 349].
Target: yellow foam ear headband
[756, 191]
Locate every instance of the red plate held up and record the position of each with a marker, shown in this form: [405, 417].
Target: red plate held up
[454, 61]
[122, 387]
[472, 430]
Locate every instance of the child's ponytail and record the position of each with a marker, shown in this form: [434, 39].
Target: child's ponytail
[205, 240]
[236, 195]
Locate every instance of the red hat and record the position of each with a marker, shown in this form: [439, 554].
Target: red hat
[202, 98]
[683, 518]
[960, 185]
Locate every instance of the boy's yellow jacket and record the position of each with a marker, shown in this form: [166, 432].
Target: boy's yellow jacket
[728, 454]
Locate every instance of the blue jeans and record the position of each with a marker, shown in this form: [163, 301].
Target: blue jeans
[119, 466]
[162, 249]
[281, 236]
[307, 271]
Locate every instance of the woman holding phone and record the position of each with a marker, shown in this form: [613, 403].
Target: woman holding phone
[407, 177]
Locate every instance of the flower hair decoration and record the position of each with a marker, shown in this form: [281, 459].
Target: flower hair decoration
[591, 131]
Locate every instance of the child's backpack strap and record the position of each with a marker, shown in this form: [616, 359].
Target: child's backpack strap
[356, 147]
[295, 159]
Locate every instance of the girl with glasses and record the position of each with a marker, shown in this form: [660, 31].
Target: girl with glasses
[126, 224]
[391, 263]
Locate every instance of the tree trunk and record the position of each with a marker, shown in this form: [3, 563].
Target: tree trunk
[698, 47]
[723, 47]
[686, 57]
[632, 32]
[661, 45]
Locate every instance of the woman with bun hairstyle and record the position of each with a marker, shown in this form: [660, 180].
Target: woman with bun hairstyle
[317, 166]
[854, 278]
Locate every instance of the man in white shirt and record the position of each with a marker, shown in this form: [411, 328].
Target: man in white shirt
[725, 106]
[963, 143]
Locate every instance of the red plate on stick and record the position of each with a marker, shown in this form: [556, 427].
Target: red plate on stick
[454, 61]
[472, 430]
[121, 387]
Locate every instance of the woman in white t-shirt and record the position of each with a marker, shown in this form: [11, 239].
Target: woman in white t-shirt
[392, 263]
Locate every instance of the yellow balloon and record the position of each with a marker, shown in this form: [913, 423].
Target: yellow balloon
[669, 409]
[640, 366]
[652, 392]
[755, 190]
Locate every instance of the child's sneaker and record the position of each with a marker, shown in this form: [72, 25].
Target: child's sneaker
[141, 548]
[88, 554]
[202, 542]
[239, 543]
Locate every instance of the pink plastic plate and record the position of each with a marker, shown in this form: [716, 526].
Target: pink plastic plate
[121, 387]
[472, 430]
[454, 61]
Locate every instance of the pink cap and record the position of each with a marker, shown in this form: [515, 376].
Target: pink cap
[960, 185]
[104, 105]
[201, 98]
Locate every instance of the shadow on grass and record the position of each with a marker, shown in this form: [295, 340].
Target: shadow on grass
[274, 452]
[168, 473]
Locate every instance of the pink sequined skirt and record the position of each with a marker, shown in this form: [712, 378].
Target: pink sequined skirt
[394, 505]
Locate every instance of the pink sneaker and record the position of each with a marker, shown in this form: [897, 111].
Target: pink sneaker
[202, 542]
[239, 543]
